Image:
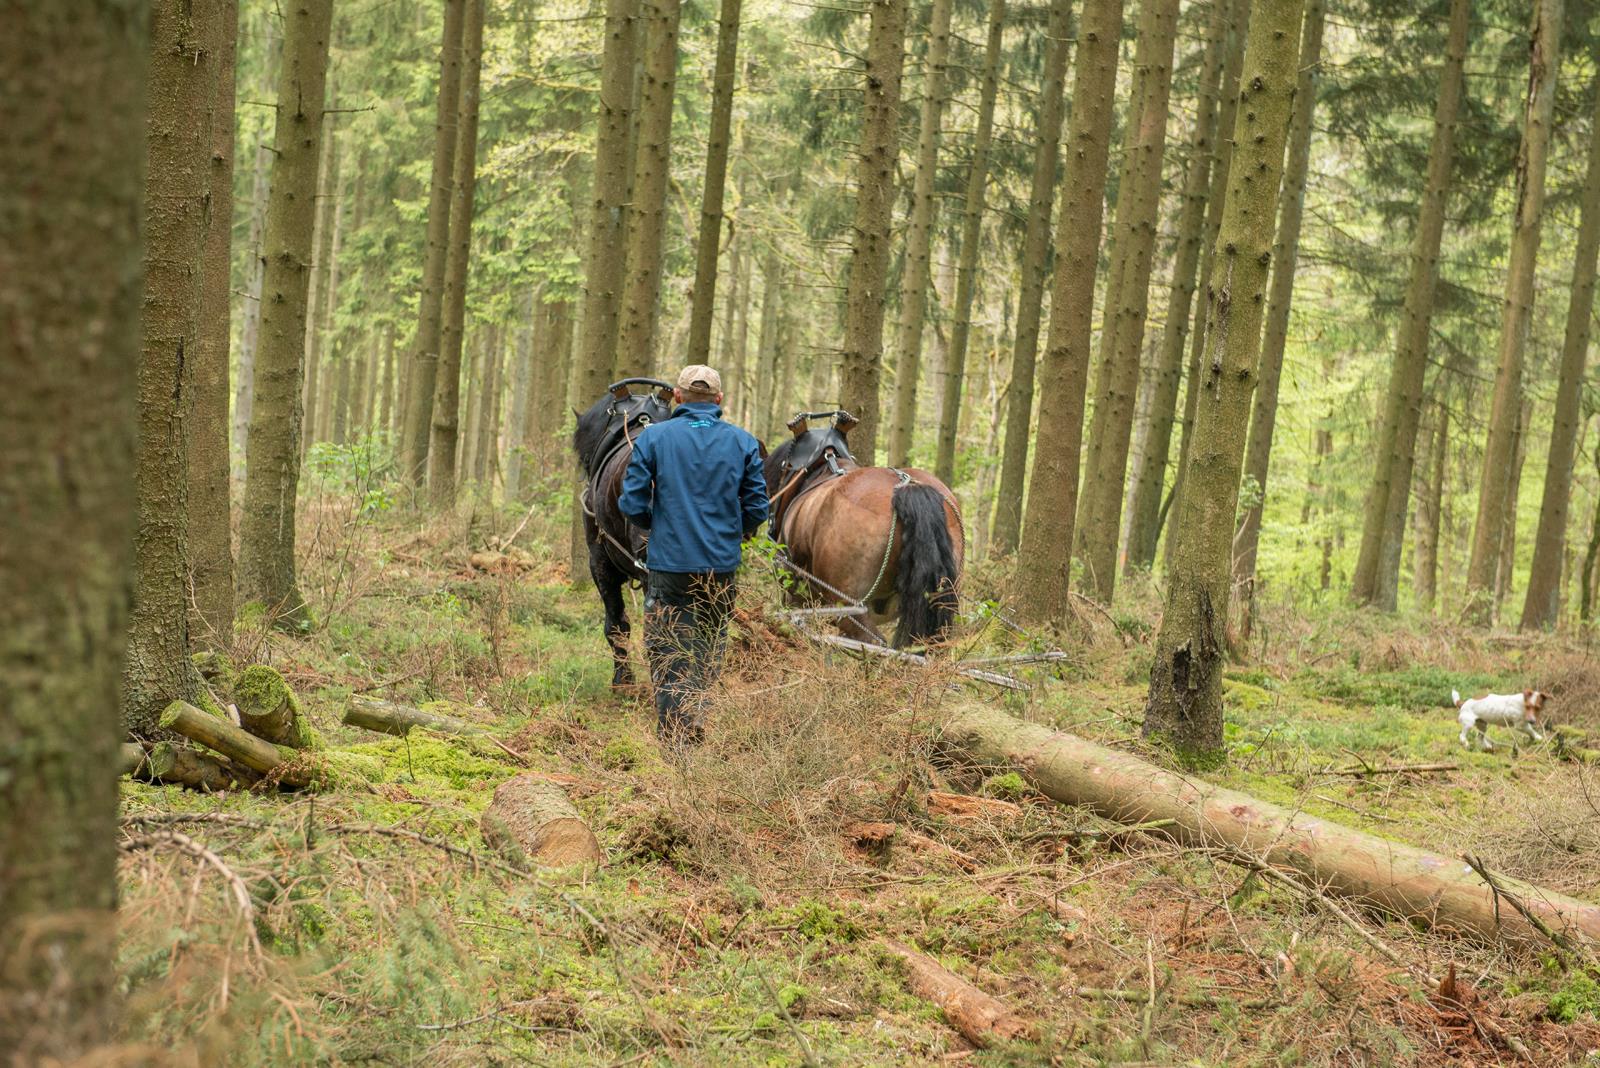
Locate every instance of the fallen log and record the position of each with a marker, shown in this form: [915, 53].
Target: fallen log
[268, 709]
[132, 757]
[182, 766]
[236, 743]
[966, 806]
[1401, 880]
[531, 821]
[980, 1018]
[391, 717]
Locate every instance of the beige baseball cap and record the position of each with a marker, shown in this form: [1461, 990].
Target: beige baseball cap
[698, 378]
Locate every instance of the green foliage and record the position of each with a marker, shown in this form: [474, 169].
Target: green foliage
[1580, 996]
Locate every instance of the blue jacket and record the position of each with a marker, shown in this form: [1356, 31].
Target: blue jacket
[696, 483]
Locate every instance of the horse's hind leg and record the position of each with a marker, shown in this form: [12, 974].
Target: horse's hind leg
[609, 580]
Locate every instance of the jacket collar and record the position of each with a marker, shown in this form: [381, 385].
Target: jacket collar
[703, 409]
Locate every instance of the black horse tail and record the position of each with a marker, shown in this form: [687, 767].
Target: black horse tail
[927, 575]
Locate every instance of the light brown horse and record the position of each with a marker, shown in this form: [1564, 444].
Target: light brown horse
[887, 537]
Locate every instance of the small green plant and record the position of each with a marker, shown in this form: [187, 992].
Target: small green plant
[1008, 786]
[1580, 997]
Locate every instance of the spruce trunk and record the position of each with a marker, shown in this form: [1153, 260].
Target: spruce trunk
[317, 288]
[1030, 301]
[919, 238]
[72, 194]
[458, 266]
[1429, 515]
[417, 420]
[861, 361]
[1185, 703]
[708, 248]
[1384, 512]
[973, 205]
[267, 526]
[1044, 560]
[1539, 608]
[250, 329]
[1517, 311]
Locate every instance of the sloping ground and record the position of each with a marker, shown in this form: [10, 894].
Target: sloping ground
[749, 892]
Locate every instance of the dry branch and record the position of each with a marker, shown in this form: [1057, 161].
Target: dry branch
[980, 1018]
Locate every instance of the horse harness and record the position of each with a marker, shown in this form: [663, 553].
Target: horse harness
[631, 413]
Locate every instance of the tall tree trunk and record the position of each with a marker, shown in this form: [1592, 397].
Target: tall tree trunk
[522, 376]
[1240, 13]
[1324, 446]
[766, 377]
[1285, 262]
[1185, 704]
[1030, 300]
[1539, 608]
[177, 183]
[1591, 557]
[317, 289]
[386, 390]
[709, 246]
[647, 221]
[861, 362]
[1045, 558]
[1138, 212]
[1498, 451]
[417, 421]
[1506, 554]
[267, 527]
[919, 238]
[250, 328]
[1383, 516]
[973, 205]
[210, 525]
[457, 269]
[72, 194]
[1426, 580]
[340, 413]
[330, 349]
[485, 457]
[731, 369]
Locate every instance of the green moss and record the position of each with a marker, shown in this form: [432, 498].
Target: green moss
[621, 754]
[1580, 997]
[430, 757]
[1009, 786]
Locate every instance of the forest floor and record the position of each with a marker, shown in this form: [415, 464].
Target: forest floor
[737, 922]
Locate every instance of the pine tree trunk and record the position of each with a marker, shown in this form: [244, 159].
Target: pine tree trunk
[210, 482]
[267, 527]
[421, 378]
[919, 238]
[1383, 516]
[1044, 559]
[861, 361]
[766, 377]
[1239, 28]
[973, 206]
[1138, 212]
[731, 370]
[1505, 552]
[1429, 515]
[1030, 300]
[647, 221]
[250, 328]
[1185, 704]
[709, 246]
[1500, 447]
[177, 183]
[486, 457]
[317, 289]
[332, 347]
[457, 270]
[518, 423]
[386, 390]
[72, 194]
[1285, 262]
[1539, 609]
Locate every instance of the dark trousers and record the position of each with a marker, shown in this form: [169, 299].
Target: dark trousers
[685, 632]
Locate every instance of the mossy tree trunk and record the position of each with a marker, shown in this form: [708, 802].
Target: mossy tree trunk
[1033, 262]
[1539, 608]
[1127, 299]
[1185, 702]
[267, 527]
[71, 200]
[458, 265]
[1544, 58]
[861, 362]
[422, 374]
[1044, 559]
[918, 271]
[972, 209]
[709, 247]
[1285, 263]
[1383, 515]
[1150, 473]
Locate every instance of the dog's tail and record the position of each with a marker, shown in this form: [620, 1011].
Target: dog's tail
[1456, 697]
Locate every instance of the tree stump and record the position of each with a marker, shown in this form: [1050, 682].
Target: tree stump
[531, 821]
[268, 709]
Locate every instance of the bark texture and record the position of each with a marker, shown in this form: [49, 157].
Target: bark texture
[1045, 558]
[981, 1018]
[458, 265]
[267, 525]
[1383, 516]
[417, 421]
[1030, 298]
[1185, 703]
[918, 271]
[709, 247]
[531, 821]
[1517, 309]
[71, 201]
[1429, 514]
[861, 361]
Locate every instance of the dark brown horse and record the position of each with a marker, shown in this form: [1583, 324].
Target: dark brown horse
[889, 538]
[603, 441]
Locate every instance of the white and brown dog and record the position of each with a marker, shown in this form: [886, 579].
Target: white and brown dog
[1519, 711]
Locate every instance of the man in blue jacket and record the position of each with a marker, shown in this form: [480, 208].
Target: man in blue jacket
[695, 483]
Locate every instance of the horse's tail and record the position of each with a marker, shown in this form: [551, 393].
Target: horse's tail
[927, 574]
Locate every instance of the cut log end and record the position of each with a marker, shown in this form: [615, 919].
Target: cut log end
[532, 821]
